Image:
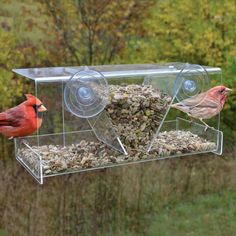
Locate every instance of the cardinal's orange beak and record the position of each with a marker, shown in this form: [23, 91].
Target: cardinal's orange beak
[42, 108]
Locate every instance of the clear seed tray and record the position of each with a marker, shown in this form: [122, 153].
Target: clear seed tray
[105, 116]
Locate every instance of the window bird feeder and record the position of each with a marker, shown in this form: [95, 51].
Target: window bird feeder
[105, 116]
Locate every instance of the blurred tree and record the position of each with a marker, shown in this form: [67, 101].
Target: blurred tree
[95, 32]
[20, 47]
[201, 32]
[7, 42]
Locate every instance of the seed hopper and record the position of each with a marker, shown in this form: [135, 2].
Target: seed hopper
[105, 116]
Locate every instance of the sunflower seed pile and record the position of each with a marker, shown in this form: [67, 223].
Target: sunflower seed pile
[179, 142]
[136, 111]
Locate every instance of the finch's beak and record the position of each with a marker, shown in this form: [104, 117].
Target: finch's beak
[42, 108]
[227, 90]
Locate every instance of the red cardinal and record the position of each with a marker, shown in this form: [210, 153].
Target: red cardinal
[23, 119]
[204, 105]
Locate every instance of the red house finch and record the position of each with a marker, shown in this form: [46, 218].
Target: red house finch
[23, 119]
[204, 105]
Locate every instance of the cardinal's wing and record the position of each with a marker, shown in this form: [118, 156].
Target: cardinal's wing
[12, 116]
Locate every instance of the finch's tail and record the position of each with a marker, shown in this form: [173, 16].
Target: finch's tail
[173, 105]
[180, 107]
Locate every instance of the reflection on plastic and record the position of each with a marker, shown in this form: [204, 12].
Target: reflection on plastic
[191, 81]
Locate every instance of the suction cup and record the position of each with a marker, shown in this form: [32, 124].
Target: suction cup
[86, 93]
[191, 81]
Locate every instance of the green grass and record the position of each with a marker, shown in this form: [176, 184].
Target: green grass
[2, 233]
[213, 214]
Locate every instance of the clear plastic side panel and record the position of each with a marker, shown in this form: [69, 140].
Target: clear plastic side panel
[188, 90]
[220, 142]
[51, 120]
[56, 121]
[29, 157]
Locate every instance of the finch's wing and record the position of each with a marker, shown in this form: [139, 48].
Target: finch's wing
[200, 100]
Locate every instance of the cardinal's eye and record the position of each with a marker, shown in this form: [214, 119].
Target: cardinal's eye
[36, 107]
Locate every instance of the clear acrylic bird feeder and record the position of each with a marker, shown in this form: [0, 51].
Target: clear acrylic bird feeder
[104, 116]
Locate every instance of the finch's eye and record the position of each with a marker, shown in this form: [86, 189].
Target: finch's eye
[222, 90]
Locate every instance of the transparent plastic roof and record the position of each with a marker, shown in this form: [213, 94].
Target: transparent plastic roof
[55, 74]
